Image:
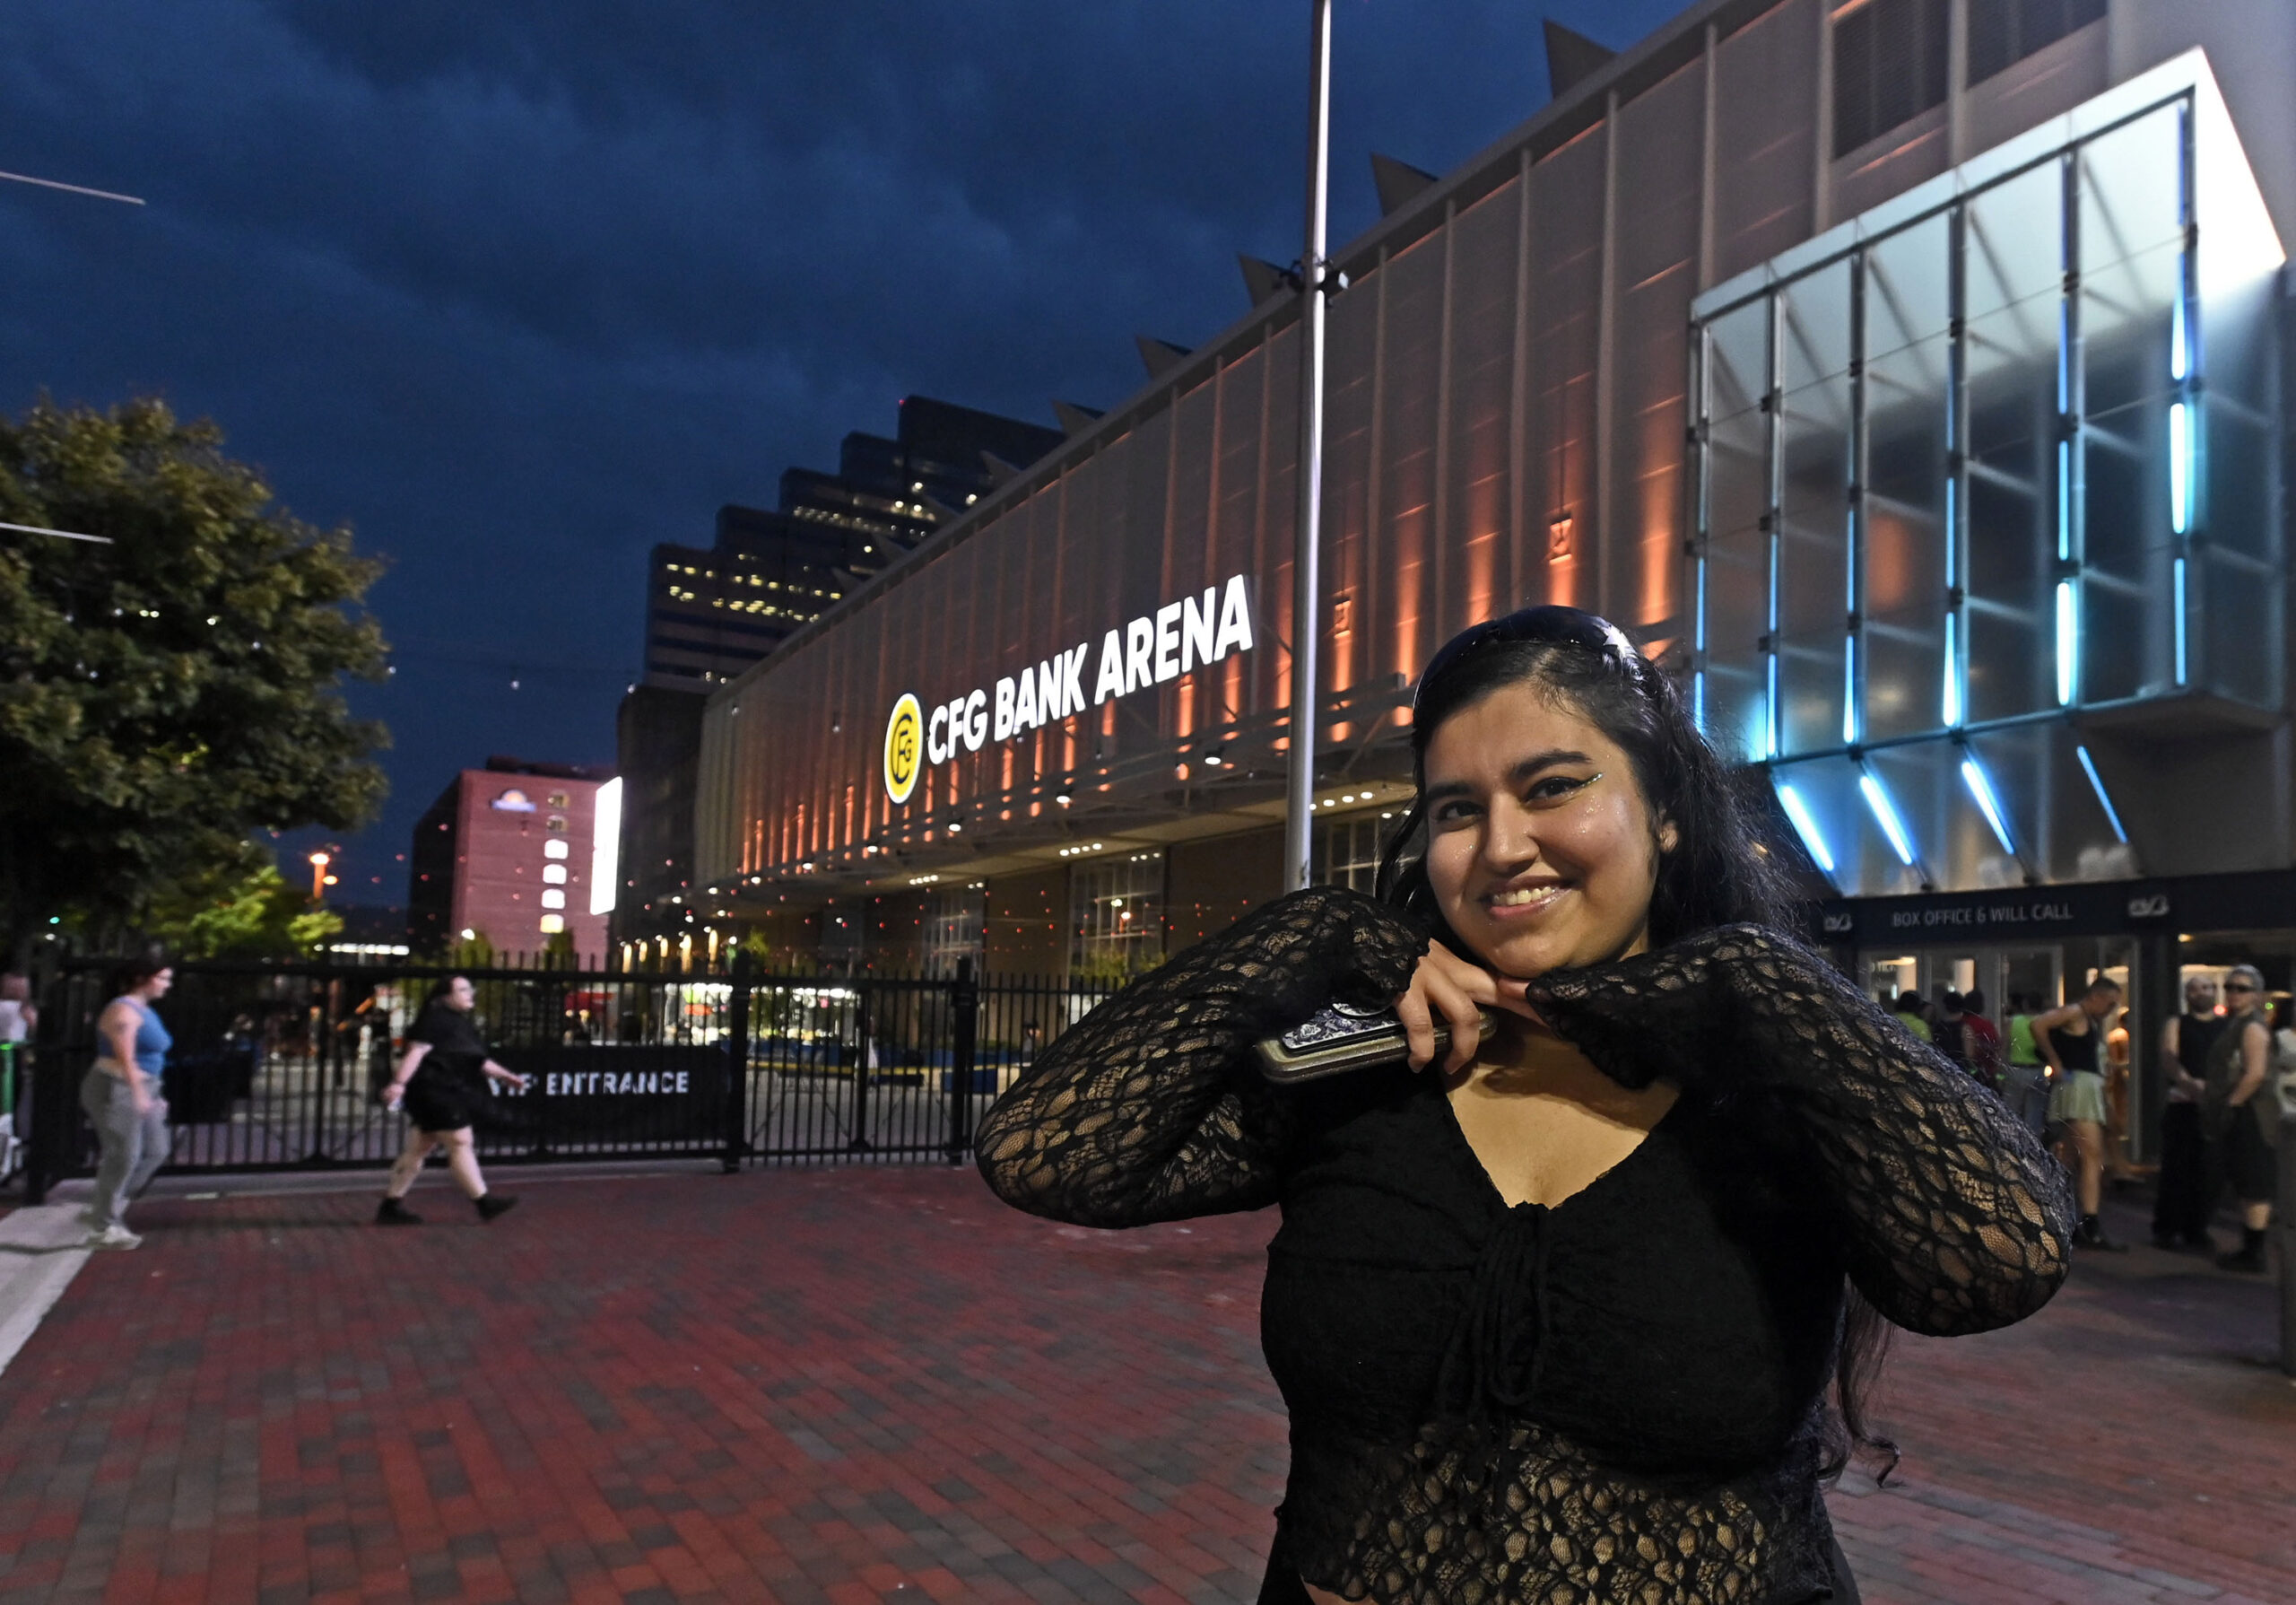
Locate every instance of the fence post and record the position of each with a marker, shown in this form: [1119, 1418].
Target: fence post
[964, 1004]
[2285, 1221]
[48, 1152]
[738, 1064]
[859, 1143]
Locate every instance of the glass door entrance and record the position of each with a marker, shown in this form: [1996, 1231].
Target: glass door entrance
[2013, 980]
[2026, 980]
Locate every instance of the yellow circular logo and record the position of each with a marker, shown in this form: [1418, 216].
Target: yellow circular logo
[904, 747]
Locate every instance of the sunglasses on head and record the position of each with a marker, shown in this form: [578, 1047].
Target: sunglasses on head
[1549, 624]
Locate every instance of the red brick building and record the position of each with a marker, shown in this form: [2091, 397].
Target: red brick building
[506, 853]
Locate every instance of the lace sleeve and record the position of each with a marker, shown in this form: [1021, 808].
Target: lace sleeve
[1953, 1218]
[1150, 1108]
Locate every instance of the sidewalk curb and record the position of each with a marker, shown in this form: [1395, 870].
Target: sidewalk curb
[39, 1254]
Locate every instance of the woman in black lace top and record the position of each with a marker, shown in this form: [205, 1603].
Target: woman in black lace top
[1557, 1322]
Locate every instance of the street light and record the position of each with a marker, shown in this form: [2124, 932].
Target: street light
[318, 876]
[1307, 528]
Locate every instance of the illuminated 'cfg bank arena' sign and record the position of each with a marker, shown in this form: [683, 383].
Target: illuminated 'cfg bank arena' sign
[1175, 640]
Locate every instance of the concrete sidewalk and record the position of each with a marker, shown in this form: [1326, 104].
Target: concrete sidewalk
[876, 1383]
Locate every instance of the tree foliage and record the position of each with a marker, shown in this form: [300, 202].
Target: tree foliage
[163, 697]
[243, 910]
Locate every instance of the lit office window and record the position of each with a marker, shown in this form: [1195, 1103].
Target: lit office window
[1116, 909]
[2006, 32]
[954, 923]
[1346, 852]
[1889, 67]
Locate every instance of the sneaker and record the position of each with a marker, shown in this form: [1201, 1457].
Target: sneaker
[114, 1237]
[394, 1212]
[491, 1204]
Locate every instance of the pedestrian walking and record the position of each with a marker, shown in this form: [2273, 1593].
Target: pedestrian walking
[1555, 1316]
[121, 1094]
[2069, 1040]
[441, 1080]
[2240, 1114]
[2181, 1202]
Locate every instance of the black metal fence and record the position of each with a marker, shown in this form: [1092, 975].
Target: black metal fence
[280, 1067]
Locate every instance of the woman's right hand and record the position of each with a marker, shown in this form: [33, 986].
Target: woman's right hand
[1450, 989]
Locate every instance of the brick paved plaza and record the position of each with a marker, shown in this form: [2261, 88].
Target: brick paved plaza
[875, 1384]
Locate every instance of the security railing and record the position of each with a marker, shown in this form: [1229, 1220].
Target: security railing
[280, 1067]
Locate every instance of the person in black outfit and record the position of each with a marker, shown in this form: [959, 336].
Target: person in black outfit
[441, 1080]
[1557, 1322]
[2183, 1204]
[2240, 1109]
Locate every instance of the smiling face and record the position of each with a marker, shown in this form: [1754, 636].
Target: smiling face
[1542, 852]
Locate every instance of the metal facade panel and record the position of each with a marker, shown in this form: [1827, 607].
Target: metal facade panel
[1660, 136]
[1766, 136]
[1566, 298]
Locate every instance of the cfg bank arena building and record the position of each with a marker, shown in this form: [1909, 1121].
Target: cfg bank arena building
[1906, 375]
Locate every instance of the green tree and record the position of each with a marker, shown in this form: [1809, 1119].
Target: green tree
[247, 909]
[163, 697]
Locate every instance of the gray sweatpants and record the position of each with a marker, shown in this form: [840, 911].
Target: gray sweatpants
[135, 1144]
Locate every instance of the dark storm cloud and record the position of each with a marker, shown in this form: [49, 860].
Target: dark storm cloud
[517, 290]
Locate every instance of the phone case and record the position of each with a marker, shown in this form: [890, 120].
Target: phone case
[1343, 1037]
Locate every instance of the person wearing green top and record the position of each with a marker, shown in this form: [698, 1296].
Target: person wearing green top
[2027, 1089]
[1912, 1015]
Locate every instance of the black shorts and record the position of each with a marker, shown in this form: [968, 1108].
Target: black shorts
[2250, 1163]
[446, 1097]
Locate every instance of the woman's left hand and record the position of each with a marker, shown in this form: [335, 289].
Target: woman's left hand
[1448, 987]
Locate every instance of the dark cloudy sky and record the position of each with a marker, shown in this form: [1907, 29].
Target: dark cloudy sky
[516, 290]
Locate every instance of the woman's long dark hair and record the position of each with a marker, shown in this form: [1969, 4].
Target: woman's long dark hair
[1721, 870]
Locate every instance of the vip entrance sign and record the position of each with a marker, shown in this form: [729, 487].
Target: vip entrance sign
[1176, 639]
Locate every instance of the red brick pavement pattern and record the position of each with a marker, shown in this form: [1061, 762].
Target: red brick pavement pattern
[846, 1386]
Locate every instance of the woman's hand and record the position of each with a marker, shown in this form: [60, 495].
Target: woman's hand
[1448, 988]
[139, 1094]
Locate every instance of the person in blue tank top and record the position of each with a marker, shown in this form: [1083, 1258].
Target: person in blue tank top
[121, 1094]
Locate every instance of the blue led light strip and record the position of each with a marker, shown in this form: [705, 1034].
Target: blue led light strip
[2097, 784]
[1980, 787]
[1806, 825]
[1885, 814]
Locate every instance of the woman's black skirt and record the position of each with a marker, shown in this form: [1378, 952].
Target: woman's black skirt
[447, 1097]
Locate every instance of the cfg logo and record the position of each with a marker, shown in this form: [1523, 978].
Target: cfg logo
[904, 747]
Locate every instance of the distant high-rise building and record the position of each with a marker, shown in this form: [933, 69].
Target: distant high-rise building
[507, 852]
[711, 612]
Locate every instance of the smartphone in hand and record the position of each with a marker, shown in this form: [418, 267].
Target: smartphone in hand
[1345, 1036]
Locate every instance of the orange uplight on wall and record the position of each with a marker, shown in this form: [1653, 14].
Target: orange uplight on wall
[1560, 544]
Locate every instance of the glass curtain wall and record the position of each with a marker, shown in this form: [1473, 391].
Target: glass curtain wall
[1961, 486]
[1116, 914]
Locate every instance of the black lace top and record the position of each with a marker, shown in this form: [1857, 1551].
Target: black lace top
[1619, 1398]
